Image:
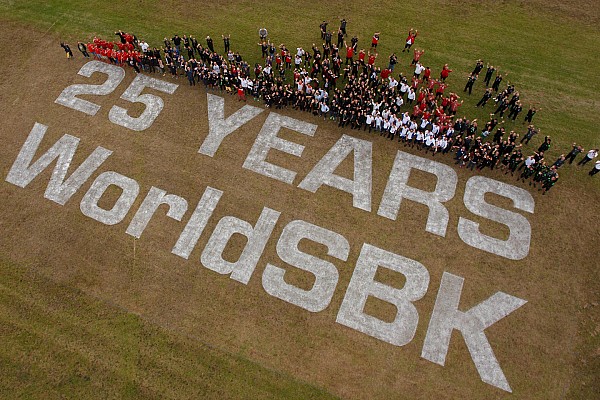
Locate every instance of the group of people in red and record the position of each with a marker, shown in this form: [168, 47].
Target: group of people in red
[115, 52]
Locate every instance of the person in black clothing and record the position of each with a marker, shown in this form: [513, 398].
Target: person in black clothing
[515, 109]
[340, 38]
[264, 47]
[502, 107]
[209, 43]
[531, 131]
[323, 28]
[488, 75]
[121, 36]
[574, 152]
[67, 50]
[478, 67]
[530, 113]
[177, 42]
[226, 42]
[545, 145]
[83, 49]
[484, 99]
[497, 81]
[343, 23]
[328, 38]
[470, 82]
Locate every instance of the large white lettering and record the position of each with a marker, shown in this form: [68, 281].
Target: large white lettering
[360, 186]
[397, 189]
[197, 223]
[326, 274]
[219, 127]
[89, 204]
[155, 197]
[257, 236]
[516, 246]
[362, 285]
[58, 190]
[446, 317]
[267, 139]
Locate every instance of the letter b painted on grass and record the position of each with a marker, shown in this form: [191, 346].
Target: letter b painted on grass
[362, 285]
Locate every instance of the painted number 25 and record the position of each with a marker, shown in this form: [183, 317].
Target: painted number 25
[117, 115]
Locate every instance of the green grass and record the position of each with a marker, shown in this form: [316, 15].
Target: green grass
[58, 342]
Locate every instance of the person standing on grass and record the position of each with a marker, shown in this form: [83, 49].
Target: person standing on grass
[469, 86]
[530, 113]
[478, 67]
[340, 38]
[595, 169]
[67, 50]
[589, 157]
[210, 44]
[82, 48]
[410, 40]
[226, 42]
[323, 28]
[417, 56]
[484, 99]
[262, 33]
[488, 75]
[545, 146]
[343, 23]
[574, 152]
[497, 81]
[375, 40]
[445, 72]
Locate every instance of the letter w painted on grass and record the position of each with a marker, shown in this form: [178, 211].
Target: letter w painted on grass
[58, 190]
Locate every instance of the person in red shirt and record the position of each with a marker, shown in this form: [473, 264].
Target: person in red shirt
[288, 60]
[361, 56]
[385, 73]
[426, 74]
[372, 57]
[417, 55]
[349, 53]
[375, 40]
[440, 90]
[445, 72]
[410, 40]
[416, 111]
[454, 106]
[92, 49]
[415, 82]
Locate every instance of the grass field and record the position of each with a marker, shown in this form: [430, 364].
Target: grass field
[89, 312]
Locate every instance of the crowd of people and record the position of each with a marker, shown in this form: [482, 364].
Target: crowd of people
[340, 81]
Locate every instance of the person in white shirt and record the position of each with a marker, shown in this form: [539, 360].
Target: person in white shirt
[589, 157]
[419, 140]
[324, 109]
[403, 88]
[410, 137]
[418, 69]
[411, 95]
[369, 122]
[399, 101]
